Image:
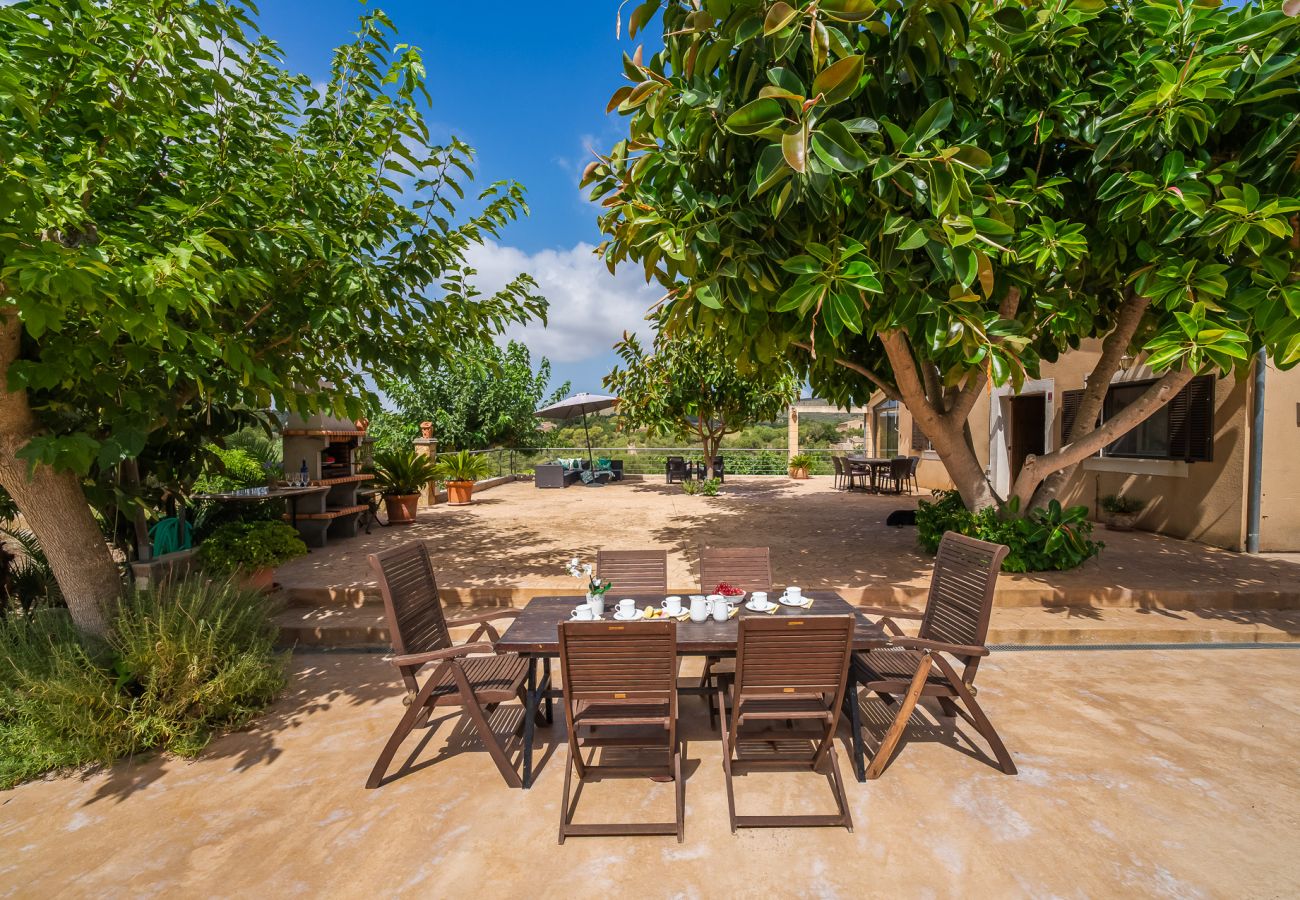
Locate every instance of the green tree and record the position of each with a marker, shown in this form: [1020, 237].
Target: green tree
[687, 389]
[485, 396]
[185, 225]
[927, 198]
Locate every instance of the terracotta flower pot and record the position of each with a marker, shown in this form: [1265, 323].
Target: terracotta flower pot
[259, 579]
[401, 508]
[799, 473]
[460, 493]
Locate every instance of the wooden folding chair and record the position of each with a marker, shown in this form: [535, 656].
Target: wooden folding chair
[634, 571]
[621, 679]
[421, 637]
[791, 669]
[955, 623]
[748, 568]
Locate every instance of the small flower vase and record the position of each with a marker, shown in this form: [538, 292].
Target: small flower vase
[597, 604]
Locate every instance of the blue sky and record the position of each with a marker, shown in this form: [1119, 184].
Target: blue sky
[526, 85]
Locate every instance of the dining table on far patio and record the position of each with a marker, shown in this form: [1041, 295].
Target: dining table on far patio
[534, 635]
[264, 494]
[873, 465]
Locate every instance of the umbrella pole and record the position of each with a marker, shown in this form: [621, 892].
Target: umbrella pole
[587, 432]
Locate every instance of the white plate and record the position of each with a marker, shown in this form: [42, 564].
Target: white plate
[786, 601]
[640, 614]
[752, 608]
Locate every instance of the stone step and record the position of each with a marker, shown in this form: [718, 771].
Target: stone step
[1010, 595]
[364, 627]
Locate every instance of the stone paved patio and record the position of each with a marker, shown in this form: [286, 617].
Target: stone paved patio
[1166, 773]
[510, 545]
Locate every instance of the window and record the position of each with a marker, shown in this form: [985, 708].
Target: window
[1183, 429]
[887, 429]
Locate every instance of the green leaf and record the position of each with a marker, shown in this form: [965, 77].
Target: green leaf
[802, 265]
[779, 16]
[838, 81]
[932, 121]
[836, 147]
[1010, 18]
[848, 10]
[794, 147]
[756, 116]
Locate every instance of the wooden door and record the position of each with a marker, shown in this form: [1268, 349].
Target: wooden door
[1028, 427]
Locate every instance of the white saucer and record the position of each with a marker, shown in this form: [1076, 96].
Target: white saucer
[639, 614]
[786, 601]
[752, 608]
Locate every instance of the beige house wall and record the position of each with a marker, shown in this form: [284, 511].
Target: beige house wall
[1202, 501]
[1280, 510]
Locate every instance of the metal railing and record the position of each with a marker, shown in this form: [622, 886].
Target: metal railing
[652, 460]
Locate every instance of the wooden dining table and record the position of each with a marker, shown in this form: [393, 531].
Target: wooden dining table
[873, 464]
[535, 635]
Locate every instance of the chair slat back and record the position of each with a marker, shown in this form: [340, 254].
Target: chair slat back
[961, 590]
[634, 571]
[748, 568]
[612, 662]
[411, 603]
[783, 655]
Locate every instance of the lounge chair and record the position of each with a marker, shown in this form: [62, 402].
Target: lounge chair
[675, 469]
[634, 571]
[955, 623]
[620, 679]
[419, 630]
[788, 670]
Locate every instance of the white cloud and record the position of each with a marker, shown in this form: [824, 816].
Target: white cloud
[589, 308]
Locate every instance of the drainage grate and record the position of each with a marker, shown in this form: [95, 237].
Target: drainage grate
[1262, 645]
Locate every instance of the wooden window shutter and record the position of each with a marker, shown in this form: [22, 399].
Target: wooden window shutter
[1070, 401]
[1191, 421]
[919, 443]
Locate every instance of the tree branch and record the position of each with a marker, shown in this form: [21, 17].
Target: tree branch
[1113, 349]
[887, 389]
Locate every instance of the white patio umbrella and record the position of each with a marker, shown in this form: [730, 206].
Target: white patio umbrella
[571, 408]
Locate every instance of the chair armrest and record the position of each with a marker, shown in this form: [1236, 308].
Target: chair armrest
[483, 618]
[912, 643]
[419, 659]
[891, 613]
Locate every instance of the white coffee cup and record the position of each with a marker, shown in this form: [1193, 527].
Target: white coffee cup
[758, 598]
[699, 608]
[597, 604]
[627, 607]
[794, 594]
[582, 613]
[672, 605]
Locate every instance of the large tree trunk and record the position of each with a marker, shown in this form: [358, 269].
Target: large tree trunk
[53, 504]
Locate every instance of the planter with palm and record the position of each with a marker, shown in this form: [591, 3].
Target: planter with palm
[400, 475]
[460, 471]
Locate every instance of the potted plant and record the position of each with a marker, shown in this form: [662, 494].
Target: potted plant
[400, 475]
[250, 551]
[800, 463]
[460, 471]
[1123, 511]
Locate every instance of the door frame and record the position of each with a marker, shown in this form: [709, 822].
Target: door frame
[999, 468]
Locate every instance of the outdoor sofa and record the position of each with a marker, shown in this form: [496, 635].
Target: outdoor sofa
[561, 473]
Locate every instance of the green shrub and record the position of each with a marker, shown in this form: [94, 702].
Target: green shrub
[1119, 505]
[235, 468]
[248, 546]
[1047, 539]
[708, 487]
[179, 666]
